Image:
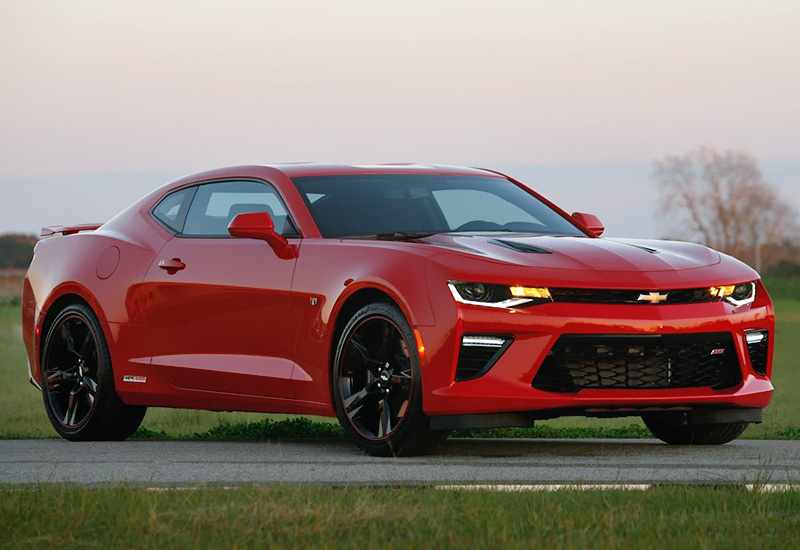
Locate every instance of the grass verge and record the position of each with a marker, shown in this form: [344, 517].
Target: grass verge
[355, 517]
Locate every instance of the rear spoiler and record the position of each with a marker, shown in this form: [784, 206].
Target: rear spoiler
[67, 229]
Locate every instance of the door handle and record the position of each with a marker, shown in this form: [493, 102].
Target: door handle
[172, 266]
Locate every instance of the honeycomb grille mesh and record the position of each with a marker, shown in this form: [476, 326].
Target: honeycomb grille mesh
[639, 362]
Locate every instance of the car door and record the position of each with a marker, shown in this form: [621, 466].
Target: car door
[217, 307]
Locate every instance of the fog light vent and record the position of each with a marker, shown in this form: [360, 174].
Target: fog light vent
[478, 353]
[758, 348]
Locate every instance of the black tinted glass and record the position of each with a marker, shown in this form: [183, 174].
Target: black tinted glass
[361, 205]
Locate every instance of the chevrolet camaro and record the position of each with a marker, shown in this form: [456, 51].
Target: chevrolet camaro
[406, 300]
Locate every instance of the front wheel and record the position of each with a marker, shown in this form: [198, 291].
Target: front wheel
[78, 384]
[377, 390]
[692, 434]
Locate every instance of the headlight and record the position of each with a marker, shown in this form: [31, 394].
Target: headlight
[492, 295]
[738, 295]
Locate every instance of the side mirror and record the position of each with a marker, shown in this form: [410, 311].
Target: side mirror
[258, 225]
[590, 222]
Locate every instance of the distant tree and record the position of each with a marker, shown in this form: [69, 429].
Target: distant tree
[721, 199]
[785, 269]
[16, 250]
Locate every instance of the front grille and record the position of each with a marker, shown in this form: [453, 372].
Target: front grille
[657, 361]
[758, 350]
[616, 296]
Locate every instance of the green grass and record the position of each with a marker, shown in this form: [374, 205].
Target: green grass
[23, 413]
[784, 410]
[21, 405]
[368, 517]
[783, 288]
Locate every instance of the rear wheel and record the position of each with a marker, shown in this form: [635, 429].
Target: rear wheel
[377, 388]
[78, 383]
[692, 434]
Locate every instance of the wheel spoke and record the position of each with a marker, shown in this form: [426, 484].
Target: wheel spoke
[385, 421]
[85, 346]
[72, 408]
[91, 387]
[363, 353]
[401, 412]
[386, 342]
[69, 341]
[400, 378]
[60, 376]
[353, 403]
[88, 398]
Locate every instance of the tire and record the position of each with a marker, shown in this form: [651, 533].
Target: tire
[377, 391]
[692, 434]
[78, 382]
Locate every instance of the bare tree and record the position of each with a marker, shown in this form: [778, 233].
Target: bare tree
[721, 199]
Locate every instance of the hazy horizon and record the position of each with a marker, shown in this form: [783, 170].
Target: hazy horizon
[622, 195]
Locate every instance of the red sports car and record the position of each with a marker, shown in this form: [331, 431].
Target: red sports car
[406, 300]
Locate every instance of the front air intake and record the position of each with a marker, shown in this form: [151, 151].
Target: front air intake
[758, 348]
[478, 353]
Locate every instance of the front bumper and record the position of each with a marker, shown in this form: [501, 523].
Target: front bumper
[507, 386]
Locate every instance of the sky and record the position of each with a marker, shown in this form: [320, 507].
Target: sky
[103, 101]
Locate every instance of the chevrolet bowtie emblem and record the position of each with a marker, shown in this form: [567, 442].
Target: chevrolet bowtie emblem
[653, 298]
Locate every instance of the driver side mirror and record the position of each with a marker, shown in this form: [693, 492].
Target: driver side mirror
[590, 222]
[259, 225]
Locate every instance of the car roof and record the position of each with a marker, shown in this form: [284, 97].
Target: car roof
[301, 169]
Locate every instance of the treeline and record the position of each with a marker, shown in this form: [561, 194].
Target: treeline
[784, 269]
[16, 250]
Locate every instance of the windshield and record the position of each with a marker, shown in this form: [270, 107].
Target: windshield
[364, 205]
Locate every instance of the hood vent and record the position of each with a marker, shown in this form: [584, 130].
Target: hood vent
[639, 246]
[520, 247]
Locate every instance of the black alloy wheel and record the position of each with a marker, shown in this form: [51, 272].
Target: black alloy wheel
[77, 381]
[377, 389]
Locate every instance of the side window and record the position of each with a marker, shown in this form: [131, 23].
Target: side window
[215, 204]
[172, 209]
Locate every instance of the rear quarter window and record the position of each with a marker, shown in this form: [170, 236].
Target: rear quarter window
[171, 210]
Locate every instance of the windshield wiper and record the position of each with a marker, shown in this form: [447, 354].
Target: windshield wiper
[397, 235]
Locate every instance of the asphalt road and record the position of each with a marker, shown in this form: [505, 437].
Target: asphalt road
[168, 463]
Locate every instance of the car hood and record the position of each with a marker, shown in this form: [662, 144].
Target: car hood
[580, 253]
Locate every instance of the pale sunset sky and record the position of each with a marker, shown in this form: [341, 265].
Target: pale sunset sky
[102, 101]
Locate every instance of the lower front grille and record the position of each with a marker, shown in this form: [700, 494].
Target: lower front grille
[658, 361]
